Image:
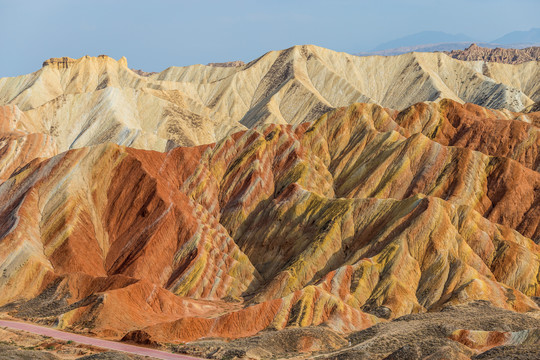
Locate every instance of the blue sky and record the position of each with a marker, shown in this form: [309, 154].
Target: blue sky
[159, 33]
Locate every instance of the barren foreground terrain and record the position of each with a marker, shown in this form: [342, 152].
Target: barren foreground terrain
[19, 344]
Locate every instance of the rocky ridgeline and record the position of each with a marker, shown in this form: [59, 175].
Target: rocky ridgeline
[228, 64]
[499, 55]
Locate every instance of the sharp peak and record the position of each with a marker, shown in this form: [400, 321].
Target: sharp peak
[473, 46]
[308, 47]
[305, 50]
[305, 46]
[65, 62]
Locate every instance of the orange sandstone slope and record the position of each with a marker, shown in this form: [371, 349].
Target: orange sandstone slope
[493, 132]
[18, 147]
[362, 216]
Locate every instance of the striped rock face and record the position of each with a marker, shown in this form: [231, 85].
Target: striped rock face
[19, 147]
[360, 217]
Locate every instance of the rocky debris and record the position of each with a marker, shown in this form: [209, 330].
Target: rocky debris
[16, 344]
[515, 352]
[432, 335]
[415, 336]
[12, 352]
[499, 55]
[267, 344]
[139, 337]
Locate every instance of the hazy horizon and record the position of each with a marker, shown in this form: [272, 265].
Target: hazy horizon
[165, 33]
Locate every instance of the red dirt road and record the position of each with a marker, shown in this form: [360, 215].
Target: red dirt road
[105, 344]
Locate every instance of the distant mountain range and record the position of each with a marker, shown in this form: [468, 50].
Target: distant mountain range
[532, 36]
[429, 41]
[424, 37]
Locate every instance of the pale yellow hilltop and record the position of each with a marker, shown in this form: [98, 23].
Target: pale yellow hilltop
[92, 100]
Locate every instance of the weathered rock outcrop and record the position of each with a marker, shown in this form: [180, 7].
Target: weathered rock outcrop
[500, 55]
